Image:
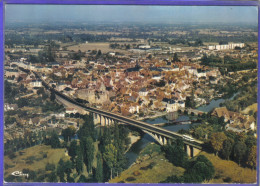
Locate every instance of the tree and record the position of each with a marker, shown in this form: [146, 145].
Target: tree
[40, 91]
[70, 179]
[227, 148]
[250, 141]
[99, 170]
[251, 159]
[221, 121]
[88, 152]
[67, 167]
[175, 58]
[110, 156]
[199, 170]
[52, 96]
[60, 170]
[49, 167]
[82, 179]
[54, 140]
[22, 102]
[79, 162]
[173, 179]
[72, 151]
[239, 151]
[52, 177]
[68, 133]
[99, 53]
[217, 140]
[175, 153]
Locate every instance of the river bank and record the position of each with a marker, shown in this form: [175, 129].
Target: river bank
[161, 117]
[153, 116]
[133, 139]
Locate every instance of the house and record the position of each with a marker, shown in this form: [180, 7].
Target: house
[8, 107]
[71, 110]
[11, 73]
[170, 104]
[34, 121]
[221, 111]
[143, 92]
[236, 121]
[36, 83]
[181, 104]
[134, 107]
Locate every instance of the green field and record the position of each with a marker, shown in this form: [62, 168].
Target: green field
[34, 158]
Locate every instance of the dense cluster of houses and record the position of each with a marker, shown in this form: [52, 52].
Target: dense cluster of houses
[127, 88]
[235, 121]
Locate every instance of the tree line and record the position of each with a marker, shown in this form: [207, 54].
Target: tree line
[197, 169]
[104, 145]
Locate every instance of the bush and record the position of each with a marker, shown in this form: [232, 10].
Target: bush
[130, 179]
[32, 175]
[29, 162]
[12, 155]
[7, 166]
[10, 178]
[173, 179]
[136, 173]
[26, 171]
[49, 167]
[227, 180]
[151, 165]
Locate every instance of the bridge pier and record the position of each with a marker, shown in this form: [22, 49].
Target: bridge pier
[164, 141]
[102, 120]
[190, 151]
[96, 118]
[160, 139]
[111, 121]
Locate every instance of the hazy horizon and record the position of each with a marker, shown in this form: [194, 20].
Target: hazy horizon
[130, 13]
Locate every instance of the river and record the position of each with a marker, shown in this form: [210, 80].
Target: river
[214, 104]
[145, 139]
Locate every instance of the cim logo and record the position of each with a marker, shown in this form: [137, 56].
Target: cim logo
[19, 173]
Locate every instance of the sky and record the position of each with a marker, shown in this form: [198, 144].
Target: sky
[133, 13]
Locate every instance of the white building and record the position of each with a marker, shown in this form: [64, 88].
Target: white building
[144, 46]
[36, 83]
[172, 106]
[228, 46]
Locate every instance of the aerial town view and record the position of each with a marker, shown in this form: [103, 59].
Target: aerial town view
[130, 94]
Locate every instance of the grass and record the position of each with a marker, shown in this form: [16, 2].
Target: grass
[152, 168]
[35, 158]
[252, 107]
[229, 171]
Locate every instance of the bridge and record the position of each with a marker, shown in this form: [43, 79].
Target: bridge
[105, 118]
